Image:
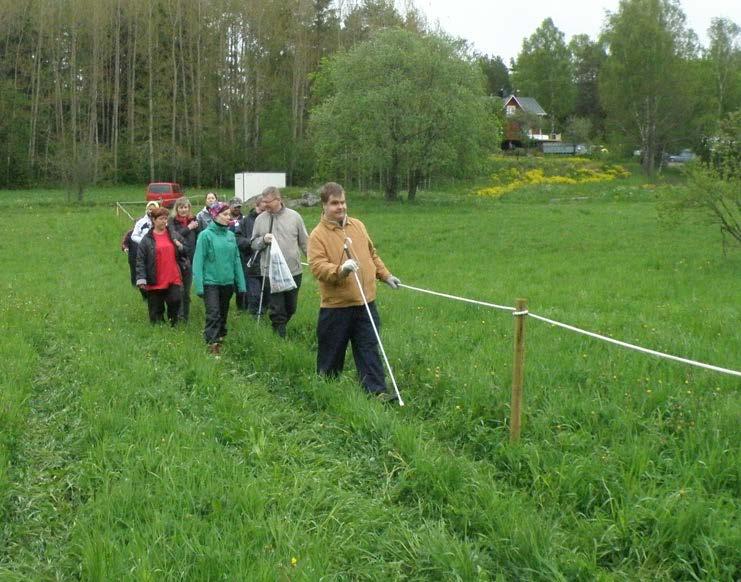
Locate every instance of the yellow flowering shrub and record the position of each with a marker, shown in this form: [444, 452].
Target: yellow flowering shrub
[511, 174]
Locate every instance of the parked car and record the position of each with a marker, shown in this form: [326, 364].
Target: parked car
[164, 192]
[682, 157]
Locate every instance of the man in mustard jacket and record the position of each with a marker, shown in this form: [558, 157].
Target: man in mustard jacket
[339, 246]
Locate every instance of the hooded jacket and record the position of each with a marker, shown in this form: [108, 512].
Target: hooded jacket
[216, 260]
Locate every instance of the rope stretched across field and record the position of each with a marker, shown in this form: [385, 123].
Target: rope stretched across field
[473, 301]
[121, 208]
[581, 331]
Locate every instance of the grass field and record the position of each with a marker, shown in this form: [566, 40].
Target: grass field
[128, 453]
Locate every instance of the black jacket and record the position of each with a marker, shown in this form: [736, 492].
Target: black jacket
[244, 242]
[146, 258]
[187, 237]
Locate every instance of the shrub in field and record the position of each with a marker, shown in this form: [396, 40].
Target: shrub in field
[510, 174]
[714, 186]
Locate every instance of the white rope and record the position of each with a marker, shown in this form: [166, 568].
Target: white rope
[137, 202]
[484, 303]
[637, 348]
[578, 330]
[125, 211]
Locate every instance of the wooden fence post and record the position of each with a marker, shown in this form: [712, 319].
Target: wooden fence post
[518, 370]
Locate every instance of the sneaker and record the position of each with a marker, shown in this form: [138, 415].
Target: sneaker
[385, 397]
[215, 349]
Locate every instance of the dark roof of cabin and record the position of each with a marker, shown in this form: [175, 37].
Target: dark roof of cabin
[528, 104]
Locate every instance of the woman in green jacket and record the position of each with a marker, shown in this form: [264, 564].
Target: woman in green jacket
[217, 272]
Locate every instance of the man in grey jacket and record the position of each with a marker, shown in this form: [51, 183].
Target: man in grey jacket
[286, 228]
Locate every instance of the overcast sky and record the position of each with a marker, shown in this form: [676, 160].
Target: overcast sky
[495, 27]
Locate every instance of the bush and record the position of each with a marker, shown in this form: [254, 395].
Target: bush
[714, 184]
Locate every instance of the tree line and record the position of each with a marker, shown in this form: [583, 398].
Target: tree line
[644, 84]
[129, 91]
[186, 90]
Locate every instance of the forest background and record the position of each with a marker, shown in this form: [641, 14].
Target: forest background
[128, 91]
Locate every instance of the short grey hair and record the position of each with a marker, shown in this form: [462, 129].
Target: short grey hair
[271, 190]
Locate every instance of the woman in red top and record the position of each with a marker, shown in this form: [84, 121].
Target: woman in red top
[158, 271]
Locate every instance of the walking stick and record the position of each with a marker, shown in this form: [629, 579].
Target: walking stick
[262, 288]
[375, 330]
[262, 294]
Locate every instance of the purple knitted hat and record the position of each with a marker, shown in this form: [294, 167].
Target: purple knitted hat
[217, 208]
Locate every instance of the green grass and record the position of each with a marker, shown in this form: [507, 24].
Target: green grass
[127, 453]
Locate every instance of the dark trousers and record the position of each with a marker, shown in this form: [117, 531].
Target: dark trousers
[158, 299]
[255, 288]
[133, 249]
[216, 300]
[243, 297]
[241, 301]
[339, 325]
[184, 313]
[283, 306]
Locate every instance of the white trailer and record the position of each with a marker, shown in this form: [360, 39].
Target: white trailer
[250, 184]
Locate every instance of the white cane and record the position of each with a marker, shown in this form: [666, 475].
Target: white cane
[375, 330]
[262, 294]
[262, 287]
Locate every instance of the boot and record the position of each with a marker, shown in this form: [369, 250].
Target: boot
[214, 349]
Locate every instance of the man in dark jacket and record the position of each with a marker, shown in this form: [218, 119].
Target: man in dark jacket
[235, 225]
[251, 261]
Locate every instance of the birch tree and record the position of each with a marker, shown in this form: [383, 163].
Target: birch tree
[643, 78]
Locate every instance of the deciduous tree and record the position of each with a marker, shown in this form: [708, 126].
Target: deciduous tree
[543, 70]
[587, 60]
[644, 78]
[497, 76]
[724, 57]
[403, 106]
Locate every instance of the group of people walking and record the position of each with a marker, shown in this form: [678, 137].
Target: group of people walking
[221, 251]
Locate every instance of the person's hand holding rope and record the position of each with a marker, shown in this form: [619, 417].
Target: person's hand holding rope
[393, 282]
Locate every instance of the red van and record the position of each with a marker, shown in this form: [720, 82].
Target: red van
[164, 192]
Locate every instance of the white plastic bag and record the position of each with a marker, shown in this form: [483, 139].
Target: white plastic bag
[280, 275]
